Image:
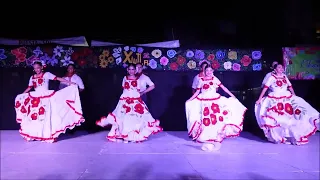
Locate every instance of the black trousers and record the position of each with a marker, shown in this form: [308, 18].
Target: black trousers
[144, 99]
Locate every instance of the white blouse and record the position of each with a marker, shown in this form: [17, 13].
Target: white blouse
[144, 82]
[75, 79]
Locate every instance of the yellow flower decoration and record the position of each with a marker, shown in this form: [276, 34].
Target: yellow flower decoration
[110, 59]
[192, 64]
[103, 63]
[105, 59]
[232, 55]
[156, 53]
[105, 52]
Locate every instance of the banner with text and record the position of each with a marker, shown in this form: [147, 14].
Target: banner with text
[175, 59]
[302, 62]
[72, 41]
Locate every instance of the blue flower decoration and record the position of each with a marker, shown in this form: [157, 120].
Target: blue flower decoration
[171, 53]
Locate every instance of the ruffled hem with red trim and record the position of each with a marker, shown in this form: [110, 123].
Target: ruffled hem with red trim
[154, 128]
[197, 128]
[53, 137]
[303, 139]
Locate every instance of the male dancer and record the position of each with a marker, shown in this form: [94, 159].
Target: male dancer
[269, 74]
[146, 85]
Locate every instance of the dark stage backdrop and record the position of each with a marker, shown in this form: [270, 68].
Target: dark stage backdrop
[166, 102]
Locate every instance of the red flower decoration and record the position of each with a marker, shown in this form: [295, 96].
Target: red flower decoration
[138, 108]
[206, 86]
[297, 111]
[35, 102]
[246, 60]
[129, 101]
[206, 111]
[34, 116]
[18, 104]
[134, 83]
[26, 101]
[126, 85]
[213, 119]
[23, 109]
[215, 108]
[215, 64]
[34, 84]
[210, 57]
[211, 83]
[181, 60]
[206, 121]
[280, 106]
[220, 118]
[279, 83]
[173, 66]
[288, 108]
[225, 112]
[40, 81]
[41, 111]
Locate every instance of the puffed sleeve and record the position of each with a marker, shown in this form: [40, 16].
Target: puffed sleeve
[149, 82]
[265, 79]
[269, 82]
[195, 82]
[30, 82]
[288, 82]
[199, 84]
[123, 81]
[79, 82]
[49, 75]
[217, 81]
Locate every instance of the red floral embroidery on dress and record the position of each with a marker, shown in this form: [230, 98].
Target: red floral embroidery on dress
[26, 101]
[288, 108]
[35, 102]
[225, 112]
[29, 109]
[215, 108]
[129, 101]
[220, 118]
[18, 104]
[206, 111]
[206, 86]
[34, 84]
[284, 81]
[280, 106]
[206, 121]
[138, 108]
[127, 108]
[134, 83]
[34, 116]
[41, 111]
[297, 111]
[126, 85]
[213, 119]
[279, 83]
[23, 110]
[140, 100]
[40, 81]
[211, 83]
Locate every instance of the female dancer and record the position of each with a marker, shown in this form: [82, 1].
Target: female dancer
[73, 77]
[196, 79]
[212, 117]
[131, 120]
[283, 116]
[44, 114]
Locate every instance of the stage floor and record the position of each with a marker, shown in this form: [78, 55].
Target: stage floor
[167, 155]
